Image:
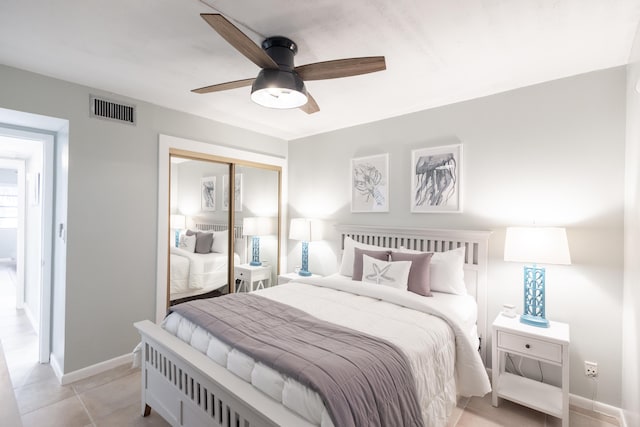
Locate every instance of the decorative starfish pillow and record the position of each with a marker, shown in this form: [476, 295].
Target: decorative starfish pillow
[188, 243]
[394, 274]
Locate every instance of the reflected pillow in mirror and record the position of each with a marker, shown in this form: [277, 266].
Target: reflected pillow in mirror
[188, 243]
[220, 242]
[204, 241]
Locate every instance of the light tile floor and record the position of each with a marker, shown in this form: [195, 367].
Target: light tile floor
[113, 397]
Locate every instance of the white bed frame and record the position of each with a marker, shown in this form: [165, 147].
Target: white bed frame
[188, 389]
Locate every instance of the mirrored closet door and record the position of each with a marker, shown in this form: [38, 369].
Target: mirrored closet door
[220, 206]
[260, 216]
[198, 229]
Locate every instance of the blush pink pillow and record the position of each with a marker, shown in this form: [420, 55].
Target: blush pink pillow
[419, 275]
[357, 260]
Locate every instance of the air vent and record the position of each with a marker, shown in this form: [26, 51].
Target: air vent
[110, 110]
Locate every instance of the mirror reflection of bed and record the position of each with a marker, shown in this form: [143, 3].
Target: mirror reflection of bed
[201, 275]
[199, 232]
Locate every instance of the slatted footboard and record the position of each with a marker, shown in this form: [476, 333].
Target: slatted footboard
[188, 389]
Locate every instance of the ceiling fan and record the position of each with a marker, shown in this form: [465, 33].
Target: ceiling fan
[279, 83]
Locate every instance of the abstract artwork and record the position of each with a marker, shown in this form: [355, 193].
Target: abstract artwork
[436, 179]
[237, 193]
[370, 184]
[208, 194]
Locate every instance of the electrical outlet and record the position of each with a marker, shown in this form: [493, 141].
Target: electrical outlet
[590, 369]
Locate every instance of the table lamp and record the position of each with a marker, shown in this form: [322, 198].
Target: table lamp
[256, 227]
[177, 223]
[301, 229]
[536, 245]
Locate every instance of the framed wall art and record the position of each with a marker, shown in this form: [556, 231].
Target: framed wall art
[237, 194]
[370, 184]
[436, 179]
[208, 194]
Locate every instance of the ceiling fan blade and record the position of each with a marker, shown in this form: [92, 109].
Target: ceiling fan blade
[224, 86]
[341, 68]
[311, 106]
[239, 40]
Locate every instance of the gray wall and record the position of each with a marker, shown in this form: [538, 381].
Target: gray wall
[551, 153]
[631, 296]
[112, 208]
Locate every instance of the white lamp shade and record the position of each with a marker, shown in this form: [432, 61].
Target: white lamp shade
[258, 226]
[306, 229]
[177, 221]
[538, 245]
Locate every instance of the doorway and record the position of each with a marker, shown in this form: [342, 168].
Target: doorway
[26, 211]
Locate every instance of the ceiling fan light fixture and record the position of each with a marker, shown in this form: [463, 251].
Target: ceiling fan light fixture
[280, 89]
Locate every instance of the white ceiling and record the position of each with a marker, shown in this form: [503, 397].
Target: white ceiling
[437, 51]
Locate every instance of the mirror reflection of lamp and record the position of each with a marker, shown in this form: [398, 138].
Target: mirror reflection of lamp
[536, 245]
[256, 227]
[177, 222]
[302, 229]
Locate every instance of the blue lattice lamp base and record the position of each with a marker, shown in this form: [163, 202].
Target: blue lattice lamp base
[255, 252]
[304, 270]
[534, 283]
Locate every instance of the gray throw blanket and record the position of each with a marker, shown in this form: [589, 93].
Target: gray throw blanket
[362, 380]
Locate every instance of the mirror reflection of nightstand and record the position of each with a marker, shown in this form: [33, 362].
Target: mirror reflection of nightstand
[288, 277]
[248, 275]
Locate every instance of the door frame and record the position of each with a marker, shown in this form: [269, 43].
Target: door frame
[47, 141]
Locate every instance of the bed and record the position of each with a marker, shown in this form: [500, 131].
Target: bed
[192, 274]
[186, 387]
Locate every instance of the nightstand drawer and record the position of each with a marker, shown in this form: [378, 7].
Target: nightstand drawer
[529, 346]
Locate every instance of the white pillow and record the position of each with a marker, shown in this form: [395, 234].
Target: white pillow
[188, 243]
[348, 255]
[446, 271]
[220, 242]
[394, 274]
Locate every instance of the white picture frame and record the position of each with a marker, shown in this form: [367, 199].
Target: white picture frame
[237, 193]
[370, 183]
[208, 194]
[436, 179]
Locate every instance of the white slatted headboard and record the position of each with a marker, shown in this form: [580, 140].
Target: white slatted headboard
[237, 231]
[476, 243]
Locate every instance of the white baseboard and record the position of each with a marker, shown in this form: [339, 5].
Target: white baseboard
[588, 404]
[89, 371]
[55, 365]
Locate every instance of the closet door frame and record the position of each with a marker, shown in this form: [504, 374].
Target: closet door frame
[168, 146]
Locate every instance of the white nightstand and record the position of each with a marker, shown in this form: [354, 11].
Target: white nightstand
[284, 278]
[547, 345]
[249, 274]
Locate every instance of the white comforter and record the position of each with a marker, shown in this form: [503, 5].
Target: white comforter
[197, 271]
[433, 337]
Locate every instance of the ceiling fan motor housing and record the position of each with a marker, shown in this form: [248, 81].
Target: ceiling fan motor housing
[281, 50]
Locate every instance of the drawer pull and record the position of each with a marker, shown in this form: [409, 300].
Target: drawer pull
[527, 346]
